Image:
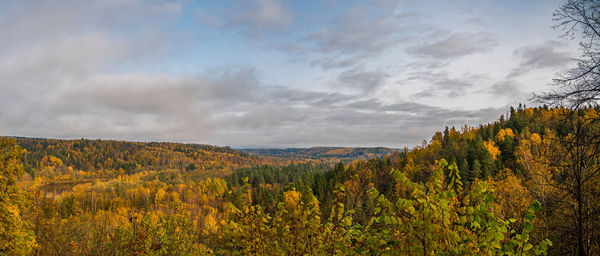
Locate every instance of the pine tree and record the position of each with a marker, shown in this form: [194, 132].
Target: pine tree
[487, 166]
[455, 179]
[475, 170]
[464, 170]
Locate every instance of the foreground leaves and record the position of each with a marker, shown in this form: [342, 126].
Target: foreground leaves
[427, 219]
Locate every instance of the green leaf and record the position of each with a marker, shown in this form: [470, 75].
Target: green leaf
[443, 162]
[536, 205]
[373, 193]
[528, 226]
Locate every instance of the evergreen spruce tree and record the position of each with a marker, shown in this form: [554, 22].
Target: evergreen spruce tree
[487, 166]
[464, 170]
[475, 170]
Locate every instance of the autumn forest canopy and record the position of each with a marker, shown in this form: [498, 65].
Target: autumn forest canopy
[526, 183]
[502, 188]
[507, 187]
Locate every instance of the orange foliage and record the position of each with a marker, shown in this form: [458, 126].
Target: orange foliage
[502, 134]
[492, 148]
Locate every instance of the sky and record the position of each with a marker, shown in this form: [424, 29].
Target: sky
[271, 73]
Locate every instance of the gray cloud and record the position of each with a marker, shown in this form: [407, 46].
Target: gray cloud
[337, 61]
[26, 21]
[455, 45]
[133, 106]
[436, 82]
[544, 55]
[508, 88]
[404, 124]
[359, 33]
[362, 80]
[284, 95]
[229, 107]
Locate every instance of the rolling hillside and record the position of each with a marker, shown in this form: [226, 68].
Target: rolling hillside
[328, 154]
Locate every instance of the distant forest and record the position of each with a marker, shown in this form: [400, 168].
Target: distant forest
[331, 154]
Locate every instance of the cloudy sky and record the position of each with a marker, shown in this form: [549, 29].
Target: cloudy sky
[271, 72]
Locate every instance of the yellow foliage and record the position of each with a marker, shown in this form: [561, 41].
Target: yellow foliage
[56, 161]
[203, 199]
[535, 138]
[50, 161]
[512, 198]
[339, 151]
[291, 197]
[160, 195]
[591, 114]
[535, 156]
[174, 196]
[529, 112]
[492, 148]
[210, 224]
[470, 134]
[546, 116]
[435, 145]
[502, 134]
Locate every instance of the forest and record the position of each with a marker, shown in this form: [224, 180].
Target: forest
[526, 184]
[328, 154]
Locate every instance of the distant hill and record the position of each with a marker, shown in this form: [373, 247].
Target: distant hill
[90, 155]
[87, 155]
[327, 154]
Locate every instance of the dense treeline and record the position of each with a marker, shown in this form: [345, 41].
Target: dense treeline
[551, 155]
[130, 156]
[327, 154]
[140, 214]
[508, 187]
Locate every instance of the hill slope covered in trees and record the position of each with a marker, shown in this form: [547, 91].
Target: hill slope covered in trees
[328, 154]
[519, 186]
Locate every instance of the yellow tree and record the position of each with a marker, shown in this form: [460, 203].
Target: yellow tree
[512, 198]
[563, 172]
[535, 155]
[15, 236]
